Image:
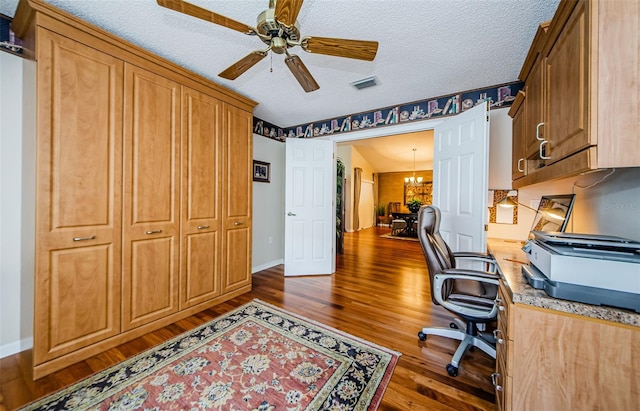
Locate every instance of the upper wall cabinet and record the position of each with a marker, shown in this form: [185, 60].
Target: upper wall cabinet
[582, 92]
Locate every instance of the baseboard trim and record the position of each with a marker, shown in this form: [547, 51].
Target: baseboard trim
[16, 347]
[266, 265]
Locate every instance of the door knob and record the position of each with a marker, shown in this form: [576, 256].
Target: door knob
[290, 214]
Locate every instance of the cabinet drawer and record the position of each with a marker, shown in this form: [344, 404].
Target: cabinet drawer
[504, 304]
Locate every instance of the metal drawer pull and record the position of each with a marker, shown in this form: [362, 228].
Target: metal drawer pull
[542, 145]
[538, 131]
[93, 237]
[520, 169]
[494, 377]
[153, 232]
[237, 223]
[495, 335]
[202, 227]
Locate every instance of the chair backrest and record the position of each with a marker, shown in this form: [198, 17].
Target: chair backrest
[436, 252]
[393, 207]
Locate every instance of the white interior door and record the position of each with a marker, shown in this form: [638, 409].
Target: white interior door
[460, 178]
[310, 216]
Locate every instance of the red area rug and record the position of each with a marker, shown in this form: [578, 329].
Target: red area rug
[257, 357]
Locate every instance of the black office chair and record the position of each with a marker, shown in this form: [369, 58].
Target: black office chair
[470, 294]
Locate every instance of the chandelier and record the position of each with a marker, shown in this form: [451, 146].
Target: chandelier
[413, 180]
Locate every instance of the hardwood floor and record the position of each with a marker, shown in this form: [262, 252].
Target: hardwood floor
[380, 292]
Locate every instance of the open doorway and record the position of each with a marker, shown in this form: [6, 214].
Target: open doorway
[385, 163]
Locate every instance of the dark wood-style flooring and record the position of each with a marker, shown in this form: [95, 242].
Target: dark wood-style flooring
[380, 292]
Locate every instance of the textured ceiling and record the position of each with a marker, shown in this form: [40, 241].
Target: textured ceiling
[427, 48]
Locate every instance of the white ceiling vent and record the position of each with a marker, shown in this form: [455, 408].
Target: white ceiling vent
[365, 82]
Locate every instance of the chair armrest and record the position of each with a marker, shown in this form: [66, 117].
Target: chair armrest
[470, 255]
[465, 254]
[477, 275]
[473, 275]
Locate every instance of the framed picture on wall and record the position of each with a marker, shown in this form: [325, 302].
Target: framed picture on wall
[261, 171]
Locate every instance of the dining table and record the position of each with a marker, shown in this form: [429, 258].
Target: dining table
[409, 230]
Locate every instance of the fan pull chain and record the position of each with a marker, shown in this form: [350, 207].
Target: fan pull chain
[271, 68]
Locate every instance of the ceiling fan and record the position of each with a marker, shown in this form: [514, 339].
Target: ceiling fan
[277, 27]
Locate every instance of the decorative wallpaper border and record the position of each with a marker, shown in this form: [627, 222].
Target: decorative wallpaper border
[498, 97]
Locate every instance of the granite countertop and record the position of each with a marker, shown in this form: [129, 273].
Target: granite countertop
[510, 259]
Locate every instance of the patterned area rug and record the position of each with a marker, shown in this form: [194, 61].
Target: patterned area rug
[396, 237]
[257, 357]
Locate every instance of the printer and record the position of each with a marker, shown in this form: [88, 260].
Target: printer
[593, 269]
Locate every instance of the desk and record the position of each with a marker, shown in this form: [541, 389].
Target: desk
[409, 218]
[560, 355]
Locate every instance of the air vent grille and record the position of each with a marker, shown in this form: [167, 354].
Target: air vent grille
[365, 83]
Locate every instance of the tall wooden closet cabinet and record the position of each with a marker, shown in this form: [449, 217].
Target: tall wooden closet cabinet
[143, 211]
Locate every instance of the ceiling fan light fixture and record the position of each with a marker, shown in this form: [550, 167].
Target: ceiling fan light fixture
[365, 83]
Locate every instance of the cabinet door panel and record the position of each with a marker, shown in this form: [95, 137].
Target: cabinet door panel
[534, 108]
[567, 80]
[238, 164]
[78, 224]
[200, 263]
[238, 140]
[201, 177]
[151, 199]
[237, 259]
[83, 305]
[152, 287]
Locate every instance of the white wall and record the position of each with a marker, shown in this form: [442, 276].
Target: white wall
[17, 202]
[352, 158]
[268, 206]
[500, 131]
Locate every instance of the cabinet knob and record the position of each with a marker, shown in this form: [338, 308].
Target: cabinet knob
[538, 132]
[495, 335]
[494, 381]
[542, 156]
[93, 237]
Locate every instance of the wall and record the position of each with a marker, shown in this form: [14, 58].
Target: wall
[391, 187]
[268, 206]
[352, 158]
[500, 130]
[17, 202]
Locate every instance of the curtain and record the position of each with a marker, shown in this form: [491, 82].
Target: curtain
[357, 183]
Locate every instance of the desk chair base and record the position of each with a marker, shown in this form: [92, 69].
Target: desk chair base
[469, 338]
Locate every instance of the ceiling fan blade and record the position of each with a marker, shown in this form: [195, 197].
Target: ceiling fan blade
[235, 70]
[353, 49]
[204, 14]
[287, 11]
[301, 73]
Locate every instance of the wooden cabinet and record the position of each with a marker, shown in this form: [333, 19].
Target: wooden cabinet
[518, 157]
[502, 379]
[566, 67]
[143, 189]
[151, 197]
[546, 359]
[201, 192]
[79, 151]
[238, 140]
[582, 90]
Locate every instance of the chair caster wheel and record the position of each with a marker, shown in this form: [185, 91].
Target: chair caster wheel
[453, 371]
[453, 325]
[422, 336]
